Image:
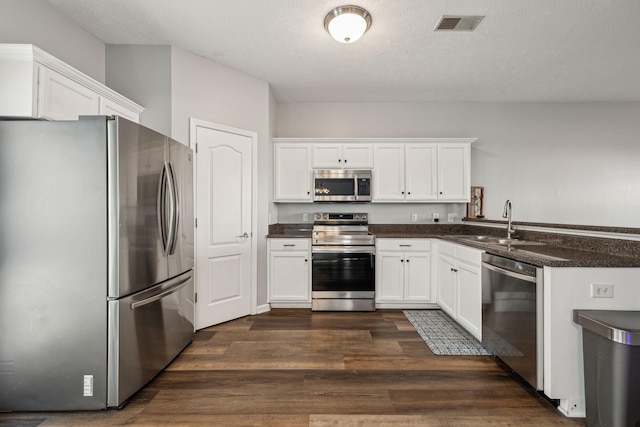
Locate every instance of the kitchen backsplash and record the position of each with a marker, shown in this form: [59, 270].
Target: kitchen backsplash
[379, 213]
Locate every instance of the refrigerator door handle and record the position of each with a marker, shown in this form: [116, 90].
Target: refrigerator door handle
[161, 207]
[161, 295]
[175, 211]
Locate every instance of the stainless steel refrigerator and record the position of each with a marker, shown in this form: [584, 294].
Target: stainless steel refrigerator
[96, 260]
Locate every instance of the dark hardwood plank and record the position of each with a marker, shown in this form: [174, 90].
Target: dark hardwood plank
[292, 367]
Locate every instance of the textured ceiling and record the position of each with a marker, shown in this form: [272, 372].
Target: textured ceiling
[522, 51]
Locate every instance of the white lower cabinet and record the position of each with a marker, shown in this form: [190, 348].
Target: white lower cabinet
[289, 272]
[459, 284]
[403, 273]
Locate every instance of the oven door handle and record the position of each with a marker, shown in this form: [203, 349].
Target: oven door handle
[509, 273]
[343, 249]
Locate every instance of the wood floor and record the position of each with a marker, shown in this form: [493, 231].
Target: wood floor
[295, 368]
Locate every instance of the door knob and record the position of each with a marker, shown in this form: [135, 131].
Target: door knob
[244, 235]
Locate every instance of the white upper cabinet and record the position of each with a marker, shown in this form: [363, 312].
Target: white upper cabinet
[388, 182]
[38, 85]
[60, 98]
[422, 171]
[292, 172]
[342, 156]
[454, 172]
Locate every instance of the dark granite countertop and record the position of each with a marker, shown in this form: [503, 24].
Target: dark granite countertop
[289, 231]
[558, 250]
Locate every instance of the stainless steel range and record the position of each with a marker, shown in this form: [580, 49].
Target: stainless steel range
[343, 263]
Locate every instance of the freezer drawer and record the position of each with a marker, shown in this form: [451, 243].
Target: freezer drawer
[147, 331]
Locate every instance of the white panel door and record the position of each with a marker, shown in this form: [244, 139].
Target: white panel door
[470, 299]
[417, 284]
[421, 172]
[390, 272]
[454, 172]
[447, 285]
[224, 230]
[388, 181]
[292, 172]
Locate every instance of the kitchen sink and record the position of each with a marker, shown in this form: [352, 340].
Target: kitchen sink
[524, 247]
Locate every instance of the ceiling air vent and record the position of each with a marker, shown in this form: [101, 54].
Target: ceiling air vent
[458, 23]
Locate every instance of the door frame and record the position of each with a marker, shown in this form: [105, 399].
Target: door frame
[194, 124]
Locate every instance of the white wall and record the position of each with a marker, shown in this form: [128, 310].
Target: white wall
[379, 213]
[208, 91]
[37, 22]
[143, 74]
[564, 163]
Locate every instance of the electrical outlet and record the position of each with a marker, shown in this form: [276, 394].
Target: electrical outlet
[305, 217]
[451, 217]
[601, 290]
[436, 217]
[414, 217]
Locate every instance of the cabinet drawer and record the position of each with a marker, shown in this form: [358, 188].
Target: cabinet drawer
[404, 245]
[469, 255]
[289, 244]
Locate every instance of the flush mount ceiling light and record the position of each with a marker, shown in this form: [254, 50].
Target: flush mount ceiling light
[347, 24]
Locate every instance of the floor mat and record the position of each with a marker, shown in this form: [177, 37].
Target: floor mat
[443, 335]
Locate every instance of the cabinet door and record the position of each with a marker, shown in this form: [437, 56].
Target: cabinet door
[289, 277]
[389, 276]
[327, 156]
[60, 98]
[421, 172]
[454, 172]
[292, 172]
[418, 276]
[470, 299]
[447, 284]
[357, 156]
[388, 178]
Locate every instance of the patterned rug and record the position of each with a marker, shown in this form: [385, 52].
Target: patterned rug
[443, 335]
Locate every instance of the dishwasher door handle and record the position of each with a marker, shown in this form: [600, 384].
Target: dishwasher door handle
[509, 273]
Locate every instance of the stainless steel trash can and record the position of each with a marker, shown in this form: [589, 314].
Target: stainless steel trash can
[611, 354]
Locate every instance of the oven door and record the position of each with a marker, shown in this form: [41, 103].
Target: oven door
[343, 272]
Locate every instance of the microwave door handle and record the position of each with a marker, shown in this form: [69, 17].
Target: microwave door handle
[355, 184]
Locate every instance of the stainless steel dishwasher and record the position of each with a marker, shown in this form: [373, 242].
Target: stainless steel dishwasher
[512, 315]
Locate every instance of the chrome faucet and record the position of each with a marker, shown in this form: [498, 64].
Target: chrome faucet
[507, 214]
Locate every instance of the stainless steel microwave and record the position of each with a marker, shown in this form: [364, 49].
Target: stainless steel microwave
[342, 185]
